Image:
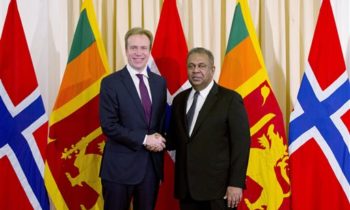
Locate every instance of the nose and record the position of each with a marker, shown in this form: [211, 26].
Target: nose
[196, 69]
[138, 51]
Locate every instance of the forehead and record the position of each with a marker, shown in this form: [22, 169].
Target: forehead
[198, 58]
[138, 39]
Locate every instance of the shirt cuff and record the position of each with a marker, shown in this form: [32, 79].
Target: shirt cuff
[144, 140]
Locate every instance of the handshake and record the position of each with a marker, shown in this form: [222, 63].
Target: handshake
[155, 142]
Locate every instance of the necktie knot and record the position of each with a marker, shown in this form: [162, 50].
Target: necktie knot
[140, 76]
[145, 98]
[195, 96]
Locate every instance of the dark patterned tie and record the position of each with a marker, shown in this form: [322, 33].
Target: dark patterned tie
[145, 99]
[190, 112]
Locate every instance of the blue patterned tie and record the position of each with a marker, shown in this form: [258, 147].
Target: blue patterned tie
[145, 99]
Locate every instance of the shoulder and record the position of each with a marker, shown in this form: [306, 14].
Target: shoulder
[112, 77]
[182, 95]
[156, 77]
[225, 92]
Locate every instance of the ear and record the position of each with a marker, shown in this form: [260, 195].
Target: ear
[212, 70]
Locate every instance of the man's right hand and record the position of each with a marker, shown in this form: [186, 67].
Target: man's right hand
[155, 142]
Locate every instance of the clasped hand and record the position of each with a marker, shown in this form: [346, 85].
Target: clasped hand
[155, 142]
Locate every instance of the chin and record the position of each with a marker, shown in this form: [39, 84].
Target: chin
[140, 67]
[197, 82]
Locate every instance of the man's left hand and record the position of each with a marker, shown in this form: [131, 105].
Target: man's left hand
[233, 196]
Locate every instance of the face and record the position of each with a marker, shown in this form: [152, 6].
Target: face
[199, 71]
[138, 51]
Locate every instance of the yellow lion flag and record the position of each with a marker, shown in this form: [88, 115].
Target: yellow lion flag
[76, 142]
[243, 70]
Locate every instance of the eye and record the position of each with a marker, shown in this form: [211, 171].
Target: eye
[191, 67]
[202, 66]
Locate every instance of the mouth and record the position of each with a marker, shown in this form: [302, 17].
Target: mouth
[138, 59]
[196, 79]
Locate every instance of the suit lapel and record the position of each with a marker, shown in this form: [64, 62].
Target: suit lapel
[183, 109]
[130, 87]
[208, 104]
[155, 92]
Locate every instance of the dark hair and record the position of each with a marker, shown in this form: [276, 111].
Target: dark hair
[201, 50]
[138, 31]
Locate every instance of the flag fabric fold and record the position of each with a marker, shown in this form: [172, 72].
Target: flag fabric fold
[76, 142]
[169, 54]
[243, 70]
[23, 122]
[319, 138]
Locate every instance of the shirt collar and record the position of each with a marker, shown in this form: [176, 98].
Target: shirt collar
[133, 71]
[204, 93]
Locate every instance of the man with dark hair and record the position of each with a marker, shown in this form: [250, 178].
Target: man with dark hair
[210, 131]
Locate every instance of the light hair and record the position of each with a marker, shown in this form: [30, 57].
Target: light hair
[201, 50]
[138, 31]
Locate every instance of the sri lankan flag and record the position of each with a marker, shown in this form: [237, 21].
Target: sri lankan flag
[244, 70]
[75, 138]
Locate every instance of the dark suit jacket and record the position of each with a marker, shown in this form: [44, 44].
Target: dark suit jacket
[123, 122]
[216, 155]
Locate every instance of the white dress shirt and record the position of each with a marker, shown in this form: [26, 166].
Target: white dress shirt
[136, 80]
[200, 101]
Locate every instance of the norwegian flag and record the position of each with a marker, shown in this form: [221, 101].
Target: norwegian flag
[169, 60]
[319, 138]
[23, 122]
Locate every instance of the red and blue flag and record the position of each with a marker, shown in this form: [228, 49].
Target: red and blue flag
[169, 54]
[319, 138]
[23, 122]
